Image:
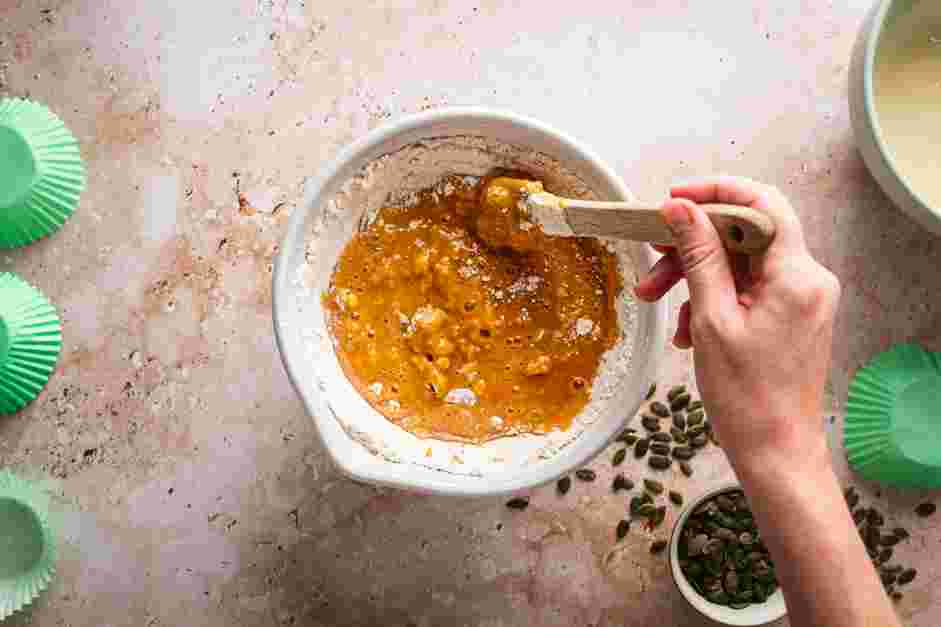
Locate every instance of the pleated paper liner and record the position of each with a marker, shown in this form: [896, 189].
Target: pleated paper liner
[41, 172]
[27, 544]
[892, 432]
[30, 341]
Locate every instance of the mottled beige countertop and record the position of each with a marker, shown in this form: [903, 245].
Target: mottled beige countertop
[192, 485]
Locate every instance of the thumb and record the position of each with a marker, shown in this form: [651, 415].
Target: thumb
[702, 255]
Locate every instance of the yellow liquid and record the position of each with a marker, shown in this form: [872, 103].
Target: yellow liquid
[907, 91]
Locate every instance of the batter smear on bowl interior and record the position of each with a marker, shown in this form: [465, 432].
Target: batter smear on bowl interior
[451, 337]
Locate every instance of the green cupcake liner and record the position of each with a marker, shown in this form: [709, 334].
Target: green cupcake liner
[41, 169]
[892, 429]
[27, 544]
[30, 342]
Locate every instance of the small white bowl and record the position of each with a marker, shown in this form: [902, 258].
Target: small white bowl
[756, 614]
[875, 29]
[362, 443]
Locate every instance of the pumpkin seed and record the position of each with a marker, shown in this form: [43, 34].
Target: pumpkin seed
[658, 546]
[636, 503]
[659, 409]
[676, 498]
[887, 578]
[623, 527]
[739, 605]
[851, 496]
[621, 483]
[646, 498]
[659, 448]
[683, 453]
[675, 391]
[699, 441]
[694, 406]
[660, 436]
[694, 418]
[659, 462]
[901, 533]
[889, 540]
[680, 402]
[627, 437]
[640, 449]
[678, 436]
[926, 509]
[650, 423]
[563, 485]
[896, 596]
[885, 554]
[619, 456]
[696, 431]
[651, 391]
[907, 576]
[875, 518]
[585, 474]
[647, 510]
[686, 469]
[658, 517]
[520, 502]
[679, 420]
[653, 486]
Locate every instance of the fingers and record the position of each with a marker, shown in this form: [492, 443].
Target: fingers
[735, 190]
[702, 257]
[683, 338]
[664, 274]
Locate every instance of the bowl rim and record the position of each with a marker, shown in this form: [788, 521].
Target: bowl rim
[718, 615]
[280, 286]
[873, 39]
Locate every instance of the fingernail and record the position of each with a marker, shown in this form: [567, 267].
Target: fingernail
[677, 215]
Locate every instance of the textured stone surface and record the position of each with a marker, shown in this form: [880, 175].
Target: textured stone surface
[193, 490]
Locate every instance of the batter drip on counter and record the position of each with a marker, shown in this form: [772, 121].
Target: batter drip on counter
[451, 337]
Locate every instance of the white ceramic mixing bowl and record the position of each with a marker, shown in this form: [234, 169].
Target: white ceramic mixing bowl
[362, 443]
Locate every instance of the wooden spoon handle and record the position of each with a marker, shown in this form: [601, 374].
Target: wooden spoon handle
[742, 229]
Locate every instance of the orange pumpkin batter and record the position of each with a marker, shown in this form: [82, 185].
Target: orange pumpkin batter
[449, 337]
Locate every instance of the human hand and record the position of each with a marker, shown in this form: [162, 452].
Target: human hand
[761, 326]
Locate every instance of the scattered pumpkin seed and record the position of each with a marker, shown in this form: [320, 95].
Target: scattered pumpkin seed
[619, 456]
[563, 485]
[699, 441]
[695, 405]
[520, 502]
[651, 423]
[851, 496]
[889, 540]
[659, 409]
[896, 596]
[653, 486]
[888, 578]
[659, 462]
[627, 437]
[678, 436]
[907, 576]
[694, 418]
[683, 453]
[651, 391]
[623, 527]
[680, 402]
[660, 436]
[646, 510]
[875, 518]
[686, 468]
[679, 420]
[885, 555]
[676, 498]
[586, 474]
[640, 449]
[659, 448]
[621, 483]
[901, 533]
[636, 503]
[675, 391]
[658, 546]
[926, 509]
[658, 517]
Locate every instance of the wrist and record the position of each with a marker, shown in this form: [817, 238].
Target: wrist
[794, 452]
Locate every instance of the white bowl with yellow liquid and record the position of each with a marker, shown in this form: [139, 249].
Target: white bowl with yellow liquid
[895, 104]
[411, 154]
